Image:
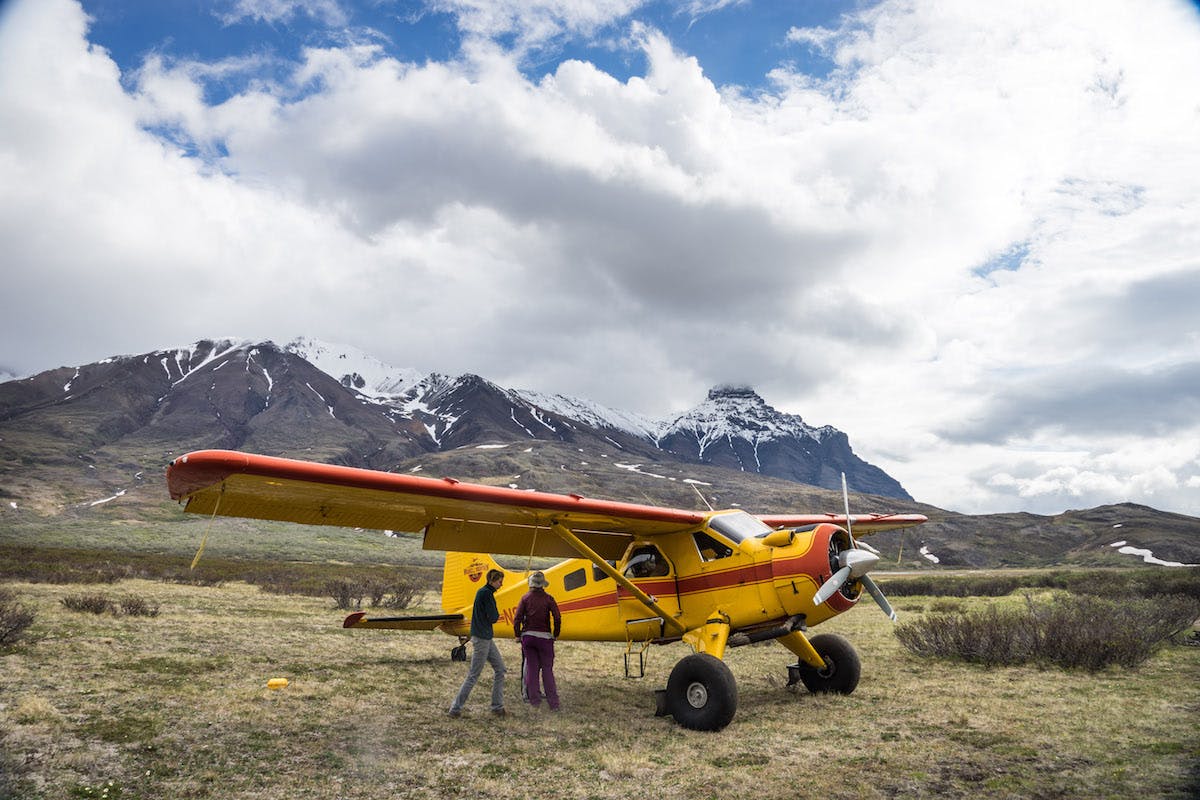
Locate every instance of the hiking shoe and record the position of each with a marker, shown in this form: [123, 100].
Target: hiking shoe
[499, 712]
[454, 713]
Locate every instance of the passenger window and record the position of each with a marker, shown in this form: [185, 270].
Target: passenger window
[574, 580]
[599, 574]
[711, 549]
[647, 562]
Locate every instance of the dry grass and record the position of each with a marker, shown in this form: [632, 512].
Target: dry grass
[177, 706]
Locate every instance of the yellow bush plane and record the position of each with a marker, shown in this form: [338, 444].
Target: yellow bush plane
[637, 574]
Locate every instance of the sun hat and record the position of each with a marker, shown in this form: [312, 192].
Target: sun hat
[538, 581]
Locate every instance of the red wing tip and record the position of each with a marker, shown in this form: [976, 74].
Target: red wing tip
[353, 619]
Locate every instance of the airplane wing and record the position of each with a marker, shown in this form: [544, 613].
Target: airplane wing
[453, 515]
[862, 524]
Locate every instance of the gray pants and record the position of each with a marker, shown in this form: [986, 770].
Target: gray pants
[482, 651]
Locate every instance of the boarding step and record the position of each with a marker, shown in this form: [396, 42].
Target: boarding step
[640, 633]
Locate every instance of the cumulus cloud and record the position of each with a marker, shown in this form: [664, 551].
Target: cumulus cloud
[970, 244]
[329, 12]
[1081, 401]
[533, 23]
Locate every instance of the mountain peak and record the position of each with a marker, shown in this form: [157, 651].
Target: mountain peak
[353, 368]
[737, 391]
[736, 410]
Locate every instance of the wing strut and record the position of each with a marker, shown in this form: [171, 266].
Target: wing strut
[568, 536]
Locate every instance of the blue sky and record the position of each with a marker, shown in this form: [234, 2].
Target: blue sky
[966, 233]
[738, 43]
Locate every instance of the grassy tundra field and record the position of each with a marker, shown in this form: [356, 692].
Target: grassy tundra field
[176, 705]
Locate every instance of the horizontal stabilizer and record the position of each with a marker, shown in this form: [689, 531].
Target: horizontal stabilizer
[359, 619]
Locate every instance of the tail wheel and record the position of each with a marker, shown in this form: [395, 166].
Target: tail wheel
[842, 667]
[701, 693]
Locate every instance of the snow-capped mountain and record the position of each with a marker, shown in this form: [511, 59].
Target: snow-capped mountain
[97, 436]
[737, 412]
[316, 400]
[354, 368]
[591, 413]
[735, 428]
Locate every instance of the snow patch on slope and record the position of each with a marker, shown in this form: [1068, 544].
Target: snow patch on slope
[591, 413]
[1146, 555]
[354, 368]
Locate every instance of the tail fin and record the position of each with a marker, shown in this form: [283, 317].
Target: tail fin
[462, 576]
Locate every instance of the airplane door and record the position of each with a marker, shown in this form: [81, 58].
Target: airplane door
[650, 570]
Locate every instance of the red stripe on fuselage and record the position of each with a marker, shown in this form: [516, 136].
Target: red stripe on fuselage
[746, 575]
[738, 576]
[587, 603]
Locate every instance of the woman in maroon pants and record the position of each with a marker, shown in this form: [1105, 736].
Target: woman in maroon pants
[537, 625]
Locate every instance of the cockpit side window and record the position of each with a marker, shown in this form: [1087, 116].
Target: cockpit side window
[711, 548]
[647, 562]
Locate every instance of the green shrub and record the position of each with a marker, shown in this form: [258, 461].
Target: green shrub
[14, 619]
[349, 593]
[88, 603]
[1112, 583]
[1076, 632]
[944, 606]
[392, 586]
[399, 594]
[135, 606]
[95, 603]
[345, 593]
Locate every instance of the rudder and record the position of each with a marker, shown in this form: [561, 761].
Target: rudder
[463, 574]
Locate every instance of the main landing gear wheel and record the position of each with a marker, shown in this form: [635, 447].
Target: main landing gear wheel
[842, 666]
[701, 693]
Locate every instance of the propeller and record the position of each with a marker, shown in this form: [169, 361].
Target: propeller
[873, 588]
[854, 564]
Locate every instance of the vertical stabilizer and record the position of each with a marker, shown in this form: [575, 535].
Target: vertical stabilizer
[462, 576]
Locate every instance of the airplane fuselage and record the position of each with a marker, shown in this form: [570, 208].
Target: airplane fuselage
[694, 577]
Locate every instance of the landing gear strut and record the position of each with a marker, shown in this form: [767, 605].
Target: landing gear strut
[841, 671]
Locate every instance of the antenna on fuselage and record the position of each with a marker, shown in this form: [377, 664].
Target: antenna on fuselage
[846, 504]
[703, 499]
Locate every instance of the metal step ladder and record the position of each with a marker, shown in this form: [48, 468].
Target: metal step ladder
[640, 634]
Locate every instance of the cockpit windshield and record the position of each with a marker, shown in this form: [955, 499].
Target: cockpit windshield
[738, 526]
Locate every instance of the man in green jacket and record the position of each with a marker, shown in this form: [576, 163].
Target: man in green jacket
[484, 649]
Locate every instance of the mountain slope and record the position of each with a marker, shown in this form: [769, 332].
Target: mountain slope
[90, 443]
[735, 428]
[315, 400]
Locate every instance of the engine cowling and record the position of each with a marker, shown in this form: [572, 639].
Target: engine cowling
[799, 570]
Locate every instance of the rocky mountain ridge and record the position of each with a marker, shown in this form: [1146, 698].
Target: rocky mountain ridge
[309, 399]
[81, 443]
[732, 428]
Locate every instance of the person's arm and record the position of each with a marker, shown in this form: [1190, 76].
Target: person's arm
[519, 618]
[492, 612]
[557, 617]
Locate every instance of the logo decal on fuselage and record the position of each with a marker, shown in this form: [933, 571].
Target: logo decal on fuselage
[475, 570]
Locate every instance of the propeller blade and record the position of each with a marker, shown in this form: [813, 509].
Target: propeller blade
[859, 561]
[875, 591]
[829, 587]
